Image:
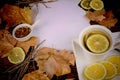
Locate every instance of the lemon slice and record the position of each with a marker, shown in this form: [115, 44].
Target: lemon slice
[97, 4]
[111, 70]
[95, 71]
[115, 59]
[16, 55]
[97, 43]
[85, 4]
[93, 32]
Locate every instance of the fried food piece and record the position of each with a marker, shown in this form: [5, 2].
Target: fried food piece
[14, 15]
[26, 13]
[5, 47]
[68, 56]
[9, 38]
[56, 65]
[44, 53]
[40, 64]
[110, 20]
[96, 15]
[35, 75]
[102, 17]
[7, 42]
[42, 56]
[26, 44]
[54, 62]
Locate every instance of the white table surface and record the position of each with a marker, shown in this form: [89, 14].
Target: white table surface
[60, 24]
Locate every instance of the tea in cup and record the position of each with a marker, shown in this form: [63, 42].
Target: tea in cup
[96, 41]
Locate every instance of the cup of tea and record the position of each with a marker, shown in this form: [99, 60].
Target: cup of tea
[96, 41]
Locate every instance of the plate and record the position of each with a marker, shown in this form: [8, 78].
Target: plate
[82, 60]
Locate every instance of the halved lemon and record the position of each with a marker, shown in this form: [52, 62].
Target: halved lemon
[85, 4]
[97, 4]
[115, 59]
[110, 68]
[97, 43]
[16, 55]
[95, 71]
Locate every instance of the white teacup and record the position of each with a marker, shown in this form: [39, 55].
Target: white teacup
[97, 29]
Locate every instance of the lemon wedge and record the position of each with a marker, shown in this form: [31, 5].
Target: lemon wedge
[16, 55]
[97, 43]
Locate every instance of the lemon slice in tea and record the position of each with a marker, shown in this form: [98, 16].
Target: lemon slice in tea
[97, 43]
[85, 4]
[16, 55]
[95, 71]
[111, 70]
[97, 4]
[115, 59]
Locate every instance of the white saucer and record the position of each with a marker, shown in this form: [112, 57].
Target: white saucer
[82, 61]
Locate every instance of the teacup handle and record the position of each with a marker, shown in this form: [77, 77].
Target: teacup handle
[116, 37]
